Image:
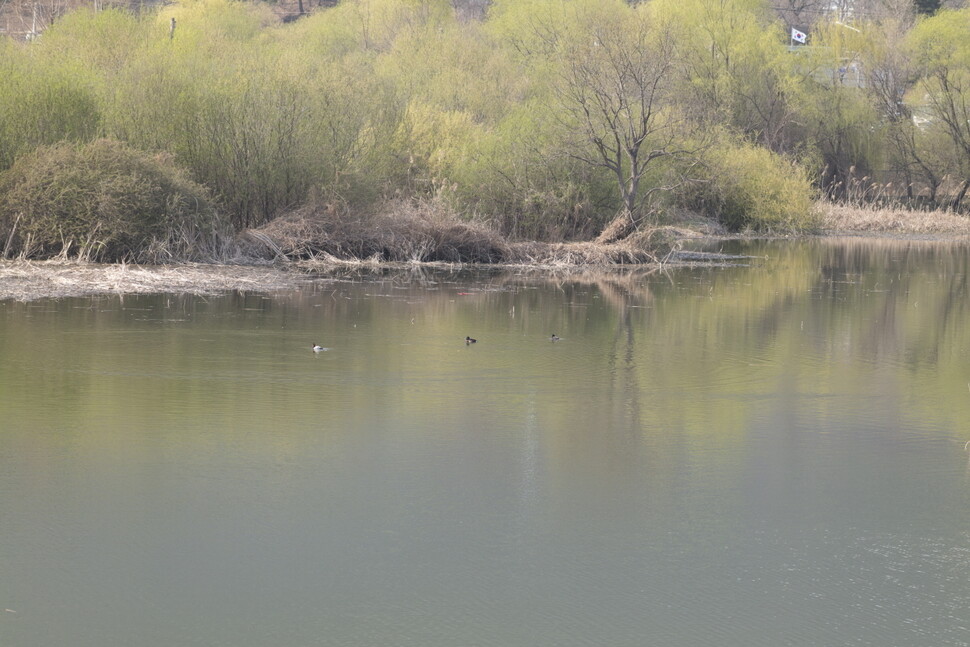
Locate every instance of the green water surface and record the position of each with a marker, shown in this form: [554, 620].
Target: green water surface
[766, 454]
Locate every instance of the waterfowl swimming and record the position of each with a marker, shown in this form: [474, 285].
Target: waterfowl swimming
[317, 348]
[469, 340]
[554, 337]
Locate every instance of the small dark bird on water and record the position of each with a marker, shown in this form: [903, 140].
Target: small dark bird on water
[554, 337]
[469, 340]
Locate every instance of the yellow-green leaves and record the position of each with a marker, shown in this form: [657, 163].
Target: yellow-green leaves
[753, 188]
[43, 101]
[733, 69]
[547, 115]
[941, 41]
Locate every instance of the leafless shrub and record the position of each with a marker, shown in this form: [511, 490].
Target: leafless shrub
[429, 231]
[400, 231]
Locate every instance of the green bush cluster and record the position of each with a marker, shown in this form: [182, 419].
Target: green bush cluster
[104, 201]
[42, 103]
[751, 188]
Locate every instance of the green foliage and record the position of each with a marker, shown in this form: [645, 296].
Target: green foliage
[941, 57]
[209, 24]
[106, 202]
[839, 118]
[611, 73]
[520, 174]
[546, 118]
[456, 68]
[262, 127]
[733, 72]
[748, 187]
[97, 40]
[936, 41]
[42, 102]
[477, 134]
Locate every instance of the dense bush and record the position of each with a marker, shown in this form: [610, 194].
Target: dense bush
[104, 201]
[747, 187]
[42, 104]
[419, 230]
[429, 230]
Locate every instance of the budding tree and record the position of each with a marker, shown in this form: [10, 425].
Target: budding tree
[614, 89]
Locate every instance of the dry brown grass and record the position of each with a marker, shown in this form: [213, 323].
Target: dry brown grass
[430, 232]
[872, 219]
[401, 231]
[649, 246]
[29, 280]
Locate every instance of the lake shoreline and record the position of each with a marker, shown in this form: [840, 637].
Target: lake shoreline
[848, 220]
[53, 279]
[57, 279]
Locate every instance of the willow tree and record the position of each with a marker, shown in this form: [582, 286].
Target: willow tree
[941, 54]
[919, 154]
[615, 90]
[43, 100]
[838, 115]
[735, 71]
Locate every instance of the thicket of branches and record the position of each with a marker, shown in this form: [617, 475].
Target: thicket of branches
[551, 119]
[103, 201]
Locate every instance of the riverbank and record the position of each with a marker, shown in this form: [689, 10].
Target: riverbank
[835, 219]
[31, 280]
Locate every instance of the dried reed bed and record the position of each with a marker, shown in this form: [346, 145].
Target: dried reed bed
[874, 219]
[535, 255]
[429, 232]
[29, 280]
[402, 231]
[646, 247]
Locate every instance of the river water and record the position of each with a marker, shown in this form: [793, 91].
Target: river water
[763, 454]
